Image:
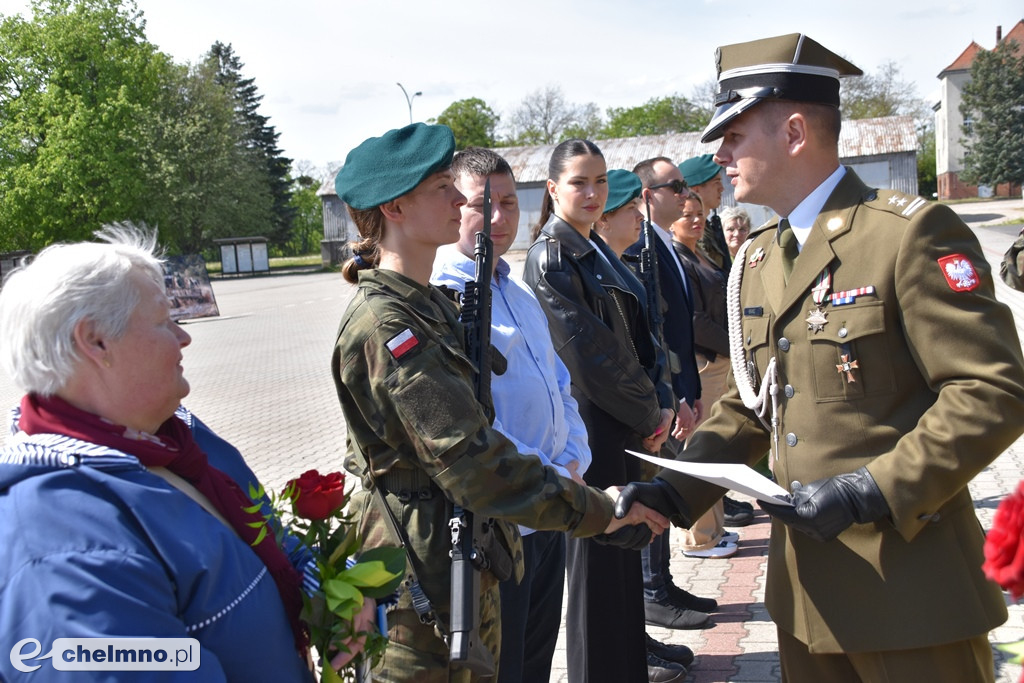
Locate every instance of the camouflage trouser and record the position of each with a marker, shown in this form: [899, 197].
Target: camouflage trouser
[416, 653]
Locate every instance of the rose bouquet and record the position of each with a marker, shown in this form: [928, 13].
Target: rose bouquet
[1004, 554]
[340, 578]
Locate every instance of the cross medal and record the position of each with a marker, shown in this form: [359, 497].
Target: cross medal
[847, 366]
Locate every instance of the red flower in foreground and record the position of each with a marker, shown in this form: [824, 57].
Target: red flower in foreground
[1004, 551]
[318, 496]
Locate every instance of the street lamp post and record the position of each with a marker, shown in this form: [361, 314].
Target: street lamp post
[408, 100]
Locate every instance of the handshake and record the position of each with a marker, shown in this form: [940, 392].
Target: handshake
[822, 509]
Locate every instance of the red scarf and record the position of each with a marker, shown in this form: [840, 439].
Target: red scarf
[174, 448]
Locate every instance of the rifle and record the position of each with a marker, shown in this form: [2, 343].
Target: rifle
[467, 558]
[649, 277]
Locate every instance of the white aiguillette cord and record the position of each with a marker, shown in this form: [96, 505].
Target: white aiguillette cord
[752, 399]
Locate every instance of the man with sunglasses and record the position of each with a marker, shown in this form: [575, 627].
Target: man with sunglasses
[666, 604]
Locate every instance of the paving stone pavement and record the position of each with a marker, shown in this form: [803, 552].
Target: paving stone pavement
[260, 375]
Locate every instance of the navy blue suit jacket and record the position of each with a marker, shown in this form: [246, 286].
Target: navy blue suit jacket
[677, 331]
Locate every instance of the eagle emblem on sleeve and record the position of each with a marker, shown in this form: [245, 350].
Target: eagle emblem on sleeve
[959, 272]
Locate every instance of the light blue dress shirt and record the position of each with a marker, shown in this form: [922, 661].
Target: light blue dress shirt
[533, 405]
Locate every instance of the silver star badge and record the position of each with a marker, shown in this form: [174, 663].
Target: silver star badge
[816, 320]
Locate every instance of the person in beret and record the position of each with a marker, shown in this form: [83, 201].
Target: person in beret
[417, 435]
[596, 310]
[872, 359]
[704, 177]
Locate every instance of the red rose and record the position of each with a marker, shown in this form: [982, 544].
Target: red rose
[1004, 552]
[318, 495]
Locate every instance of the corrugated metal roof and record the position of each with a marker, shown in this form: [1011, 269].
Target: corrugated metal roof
[859, 138]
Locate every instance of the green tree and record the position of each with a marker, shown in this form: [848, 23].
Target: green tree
[76, 83]
[473, 122]
[205, 183]
[260, 137]
[659, 115]
[308, 224]
[993, 111]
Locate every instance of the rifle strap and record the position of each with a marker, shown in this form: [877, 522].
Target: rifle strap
[420, 601]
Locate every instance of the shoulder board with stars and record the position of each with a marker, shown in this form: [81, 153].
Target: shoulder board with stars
[899, 203]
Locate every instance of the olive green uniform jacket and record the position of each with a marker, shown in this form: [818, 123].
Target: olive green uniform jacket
[937, 394]
[404, 383]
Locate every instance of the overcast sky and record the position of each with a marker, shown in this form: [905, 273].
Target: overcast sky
[328, 69]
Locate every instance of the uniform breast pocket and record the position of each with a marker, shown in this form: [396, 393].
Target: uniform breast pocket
[755, 345]
[849, 356]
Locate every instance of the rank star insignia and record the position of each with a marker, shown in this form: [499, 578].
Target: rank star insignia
[756, 257]
[816, 320]
[847, 366]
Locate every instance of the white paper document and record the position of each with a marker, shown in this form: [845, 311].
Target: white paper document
[731, 476]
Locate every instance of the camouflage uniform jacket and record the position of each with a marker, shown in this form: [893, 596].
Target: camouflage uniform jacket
[404, 384]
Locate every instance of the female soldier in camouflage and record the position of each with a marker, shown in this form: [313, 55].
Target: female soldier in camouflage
[416, 433]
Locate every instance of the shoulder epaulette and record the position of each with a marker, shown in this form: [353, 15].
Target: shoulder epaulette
[896, 202]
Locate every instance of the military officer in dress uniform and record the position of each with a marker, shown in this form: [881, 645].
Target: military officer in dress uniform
[870, 356]
[417, 435]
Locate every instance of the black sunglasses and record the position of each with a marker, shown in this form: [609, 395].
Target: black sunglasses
[677, 186]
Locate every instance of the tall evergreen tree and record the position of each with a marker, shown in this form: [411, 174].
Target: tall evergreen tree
[993, 111]
[261, 138]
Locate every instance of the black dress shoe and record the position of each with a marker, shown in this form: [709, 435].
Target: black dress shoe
[736, 514]
[663, 671]
[738, 503]
[688, 600]
[680, 654]
[668, 615]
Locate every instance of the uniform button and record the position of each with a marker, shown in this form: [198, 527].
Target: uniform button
[843, 332]
[599, 276]
[789, 391]
[791, 439]
[783, 344]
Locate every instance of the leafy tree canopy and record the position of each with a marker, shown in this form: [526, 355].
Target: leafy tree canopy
[658, 116]
[472, 121]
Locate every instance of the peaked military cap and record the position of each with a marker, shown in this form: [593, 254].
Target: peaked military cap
[790, 67]
[623, 186]
[385, 168]
[697, 170]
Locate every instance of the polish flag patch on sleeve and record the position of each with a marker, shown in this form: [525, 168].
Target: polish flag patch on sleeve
[402, 343]
[959, 272]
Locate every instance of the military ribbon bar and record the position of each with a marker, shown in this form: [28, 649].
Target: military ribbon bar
[850, 295]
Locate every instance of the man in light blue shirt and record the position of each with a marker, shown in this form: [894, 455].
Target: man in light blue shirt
[532, 403]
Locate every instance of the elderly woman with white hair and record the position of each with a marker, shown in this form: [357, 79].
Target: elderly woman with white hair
[123, 515]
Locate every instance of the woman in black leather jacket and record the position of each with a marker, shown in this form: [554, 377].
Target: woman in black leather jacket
[599, 326]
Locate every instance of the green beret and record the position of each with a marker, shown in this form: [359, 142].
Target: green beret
[791, 67]
[623, 186]
[385, 168]
[699, 170]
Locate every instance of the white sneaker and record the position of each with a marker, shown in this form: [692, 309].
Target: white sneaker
[723, 549]
[730, 537]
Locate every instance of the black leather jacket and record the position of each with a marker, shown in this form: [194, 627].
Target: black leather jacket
[710, 322]
[595, 311]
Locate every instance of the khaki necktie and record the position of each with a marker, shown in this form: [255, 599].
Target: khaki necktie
[789, 247]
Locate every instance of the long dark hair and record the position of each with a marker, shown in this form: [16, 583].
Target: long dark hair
[560, 158]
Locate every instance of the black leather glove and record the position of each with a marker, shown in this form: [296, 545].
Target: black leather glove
[658, 495]
[825, 508]
[630, 537]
